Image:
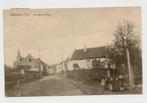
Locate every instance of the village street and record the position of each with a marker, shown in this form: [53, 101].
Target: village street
[58, 86]
[53, 86]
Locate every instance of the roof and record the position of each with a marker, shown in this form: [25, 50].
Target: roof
[96, 52]
[25, 61]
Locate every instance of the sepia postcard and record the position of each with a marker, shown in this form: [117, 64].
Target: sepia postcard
[72, 51]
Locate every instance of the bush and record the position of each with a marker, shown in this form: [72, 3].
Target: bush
[87, 74]
[11, 77]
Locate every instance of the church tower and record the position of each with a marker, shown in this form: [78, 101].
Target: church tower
[18, 56]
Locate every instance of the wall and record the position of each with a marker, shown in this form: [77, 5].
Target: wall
[86, 63]
[81, 63]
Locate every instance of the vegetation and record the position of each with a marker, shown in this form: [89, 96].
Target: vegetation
[87, 74]
[126, 38]
[11, 76]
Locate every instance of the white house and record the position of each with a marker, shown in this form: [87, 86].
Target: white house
[84, 57]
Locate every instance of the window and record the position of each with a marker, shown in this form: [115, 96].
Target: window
[30, 60]
[88, 63]
[20, 59]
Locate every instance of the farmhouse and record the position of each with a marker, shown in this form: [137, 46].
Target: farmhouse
[84, 58]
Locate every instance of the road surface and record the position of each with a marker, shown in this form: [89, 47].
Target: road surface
[59, 86]
[53, 86]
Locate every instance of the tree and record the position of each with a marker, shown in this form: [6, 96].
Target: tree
[76, 66]
[125, 44]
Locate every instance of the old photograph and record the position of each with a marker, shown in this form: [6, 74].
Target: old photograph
[72, 51]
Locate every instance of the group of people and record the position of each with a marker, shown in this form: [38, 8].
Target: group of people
[114, 80]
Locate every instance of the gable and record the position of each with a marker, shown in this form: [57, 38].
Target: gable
[29, 60]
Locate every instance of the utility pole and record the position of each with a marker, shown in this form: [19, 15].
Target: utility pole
[63, 63]
[130, 71]
[39, 64]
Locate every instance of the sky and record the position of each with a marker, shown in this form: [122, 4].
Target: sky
[54, 34]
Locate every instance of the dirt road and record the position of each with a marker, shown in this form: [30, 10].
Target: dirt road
[53, 86]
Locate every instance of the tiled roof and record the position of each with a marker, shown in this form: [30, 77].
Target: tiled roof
[96, 52]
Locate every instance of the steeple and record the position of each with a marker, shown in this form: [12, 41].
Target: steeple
[18, 56]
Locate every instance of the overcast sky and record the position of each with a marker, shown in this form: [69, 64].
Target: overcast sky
[58, 32]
